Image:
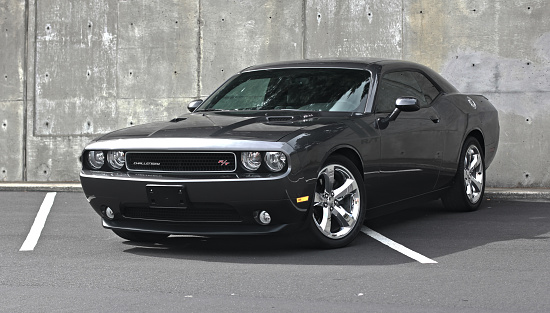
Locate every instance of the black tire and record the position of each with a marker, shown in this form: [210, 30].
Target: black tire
[140, 236]
[468, 188]
[347, 209]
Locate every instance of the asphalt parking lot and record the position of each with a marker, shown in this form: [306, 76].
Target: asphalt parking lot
[494, 260]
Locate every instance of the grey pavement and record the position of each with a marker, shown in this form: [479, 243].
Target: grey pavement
[491, 260]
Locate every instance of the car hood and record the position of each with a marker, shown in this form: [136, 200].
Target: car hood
[244, 125]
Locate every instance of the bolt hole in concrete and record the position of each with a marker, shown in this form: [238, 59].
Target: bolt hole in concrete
[45, 172]
[528, 63]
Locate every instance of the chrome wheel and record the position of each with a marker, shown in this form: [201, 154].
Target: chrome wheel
[337, 202]
[473, 174]
[467, 189]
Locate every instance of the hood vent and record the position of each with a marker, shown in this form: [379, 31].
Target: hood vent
[279, 118]
[178, 119]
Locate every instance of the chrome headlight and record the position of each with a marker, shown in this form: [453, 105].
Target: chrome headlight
[96, 159]
[251, 161]
[275, 161]
[116, 159]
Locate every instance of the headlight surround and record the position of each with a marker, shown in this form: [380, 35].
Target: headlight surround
[251, 161]
[275, 161]
[116, 159]
[96, 159]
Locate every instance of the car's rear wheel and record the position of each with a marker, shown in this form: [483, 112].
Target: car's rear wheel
[338, 207]
[466, 193]
[139, 236]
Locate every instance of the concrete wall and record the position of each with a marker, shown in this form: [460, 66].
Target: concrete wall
[71, 70]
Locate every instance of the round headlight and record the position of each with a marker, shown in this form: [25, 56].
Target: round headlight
[96, 159]
[275, 161]
[116, 159]
[251, 161]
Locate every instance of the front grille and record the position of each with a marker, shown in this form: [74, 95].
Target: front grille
[183, 215]
[181, 161]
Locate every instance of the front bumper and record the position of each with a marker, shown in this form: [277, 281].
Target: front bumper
[213, 204]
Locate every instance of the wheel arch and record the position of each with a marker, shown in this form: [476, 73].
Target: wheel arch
[477, 134]
[350, 154]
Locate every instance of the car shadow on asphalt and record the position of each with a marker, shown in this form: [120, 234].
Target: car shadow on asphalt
[427, 229]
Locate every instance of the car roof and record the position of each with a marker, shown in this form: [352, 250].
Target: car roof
[355, 63]
[358, 63]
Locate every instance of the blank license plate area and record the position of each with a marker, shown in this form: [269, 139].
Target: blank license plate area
[167, 196]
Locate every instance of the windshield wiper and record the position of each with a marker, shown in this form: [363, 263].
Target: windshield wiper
[208, 110]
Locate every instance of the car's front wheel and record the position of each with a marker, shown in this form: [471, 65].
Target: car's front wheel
[338, 207]
[468, 188]
[139, 236]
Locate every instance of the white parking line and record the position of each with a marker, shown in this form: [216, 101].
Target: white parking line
[39, 221]
[394, 245]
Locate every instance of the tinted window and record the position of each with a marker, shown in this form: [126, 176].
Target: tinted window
[293, 89]
[428, 89]
[394, 85]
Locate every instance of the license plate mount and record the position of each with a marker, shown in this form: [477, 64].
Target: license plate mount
[172, 196]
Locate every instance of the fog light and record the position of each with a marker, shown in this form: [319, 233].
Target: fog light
[109, 213]
[264, 218]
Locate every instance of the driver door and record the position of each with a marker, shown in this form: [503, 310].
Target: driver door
[412, 145]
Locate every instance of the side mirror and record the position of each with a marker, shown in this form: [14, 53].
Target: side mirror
[193, 105]
[405, 104]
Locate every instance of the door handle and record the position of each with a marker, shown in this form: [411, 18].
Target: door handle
[434, 119]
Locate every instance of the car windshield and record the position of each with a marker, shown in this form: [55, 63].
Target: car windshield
[318, 89]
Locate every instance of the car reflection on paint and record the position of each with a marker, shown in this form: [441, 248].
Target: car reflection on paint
[311, 147]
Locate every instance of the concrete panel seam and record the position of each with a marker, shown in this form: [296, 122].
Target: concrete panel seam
[199, 49]
[304, 29]
[34, 74]
[116, 47]
[402, 28]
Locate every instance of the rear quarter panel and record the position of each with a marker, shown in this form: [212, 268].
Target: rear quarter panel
[462, 120]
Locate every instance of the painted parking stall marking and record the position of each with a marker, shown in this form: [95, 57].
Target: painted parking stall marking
[39, 221]
[398, 247]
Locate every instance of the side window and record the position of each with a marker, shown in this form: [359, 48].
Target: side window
[429, 90]
[394, 85]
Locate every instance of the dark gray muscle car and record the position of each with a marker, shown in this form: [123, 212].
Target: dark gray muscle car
[312, 146]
